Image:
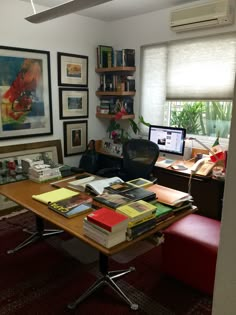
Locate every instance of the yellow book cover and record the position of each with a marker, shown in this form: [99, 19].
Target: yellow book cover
[137, 210]
[55, 195]
[139, 221]
[140, 182]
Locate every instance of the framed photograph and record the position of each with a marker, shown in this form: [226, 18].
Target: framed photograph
[75, 137]
[25, 93]
[73, 103]
[72, 70]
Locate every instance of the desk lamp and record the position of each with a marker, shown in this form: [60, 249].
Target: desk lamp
[204, 146]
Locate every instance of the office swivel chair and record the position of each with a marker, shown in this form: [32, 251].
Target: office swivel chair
[139, 158]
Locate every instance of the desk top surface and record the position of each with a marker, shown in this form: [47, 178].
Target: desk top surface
[21, 193]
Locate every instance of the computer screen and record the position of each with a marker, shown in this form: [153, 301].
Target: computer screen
[169, 139]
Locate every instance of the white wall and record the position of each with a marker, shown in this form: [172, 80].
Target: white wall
[70, 34]
[80, 35]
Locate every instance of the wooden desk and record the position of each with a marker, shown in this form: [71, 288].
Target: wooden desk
[206, 191]
[21, 193]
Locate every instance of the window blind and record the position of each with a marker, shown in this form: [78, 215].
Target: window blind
[202, 68]
[194, 69]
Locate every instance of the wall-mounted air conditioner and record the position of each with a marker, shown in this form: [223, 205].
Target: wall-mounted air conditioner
[209, 14]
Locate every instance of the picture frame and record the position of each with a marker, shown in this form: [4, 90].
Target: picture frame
[73, 103]
[25, 93]
[72, 70]
[75, 137]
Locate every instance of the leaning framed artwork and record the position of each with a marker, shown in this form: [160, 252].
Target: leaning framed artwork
[72, 70]
[73, 103]
[25, 93]
[75, 137]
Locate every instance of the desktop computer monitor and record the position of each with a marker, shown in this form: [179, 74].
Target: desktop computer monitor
[169, 139]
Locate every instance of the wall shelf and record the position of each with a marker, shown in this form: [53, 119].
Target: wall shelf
[116, 69]
[109, 116]
[115, 93]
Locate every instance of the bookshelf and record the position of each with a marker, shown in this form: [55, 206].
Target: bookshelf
[116, 89]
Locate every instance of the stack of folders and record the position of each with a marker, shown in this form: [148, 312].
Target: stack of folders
[142, 217]
[106, 227]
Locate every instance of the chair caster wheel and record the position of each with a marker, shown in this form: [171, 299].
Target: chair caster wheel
[134, 307]
[71, 306]
[132, 268]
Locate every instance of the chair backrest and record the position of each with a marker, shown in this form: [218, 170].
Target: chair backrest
[140, 156]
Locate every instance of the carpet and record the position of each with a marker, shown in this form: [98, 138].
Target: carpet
[43, 278]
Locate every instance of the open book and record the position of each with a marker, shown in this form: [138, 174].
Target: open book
[80, 184]
[97, 186]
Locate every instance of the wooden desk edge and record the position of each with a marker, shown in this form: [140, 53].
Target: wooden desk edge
[60, 221]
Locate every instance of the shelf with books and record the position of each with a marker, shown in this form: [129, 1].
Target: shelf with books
[110, 116]
[115, 69]
[116, 89]
[115, 93]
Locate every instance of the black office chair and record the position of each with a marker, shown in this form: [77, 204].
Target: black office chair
[139, 157]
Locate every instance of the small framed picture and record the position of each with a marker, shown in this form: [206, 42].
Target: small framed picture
[75, 137]
[72, 70]
[73, 103]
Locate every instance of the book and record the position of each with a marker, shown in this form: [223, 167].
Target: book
[119, 187]
[80, 184]
[139, 194]
[165, 163]
[140, 182]
[142, 220]
[97, 186]
[137, 210]
[168, 195]
[128, 57]
[137, 230]
[112, 200]
[72, 206]
[162, 209]
[55, 195]
[108, 219]
[104, 239]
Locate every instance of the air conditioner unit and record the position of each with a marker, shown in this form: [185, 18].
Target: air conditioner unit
[213, 13]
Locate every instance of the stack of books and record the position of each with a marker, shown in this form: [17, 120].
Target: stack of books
[142, 217]
[176, 199]
[106, 227]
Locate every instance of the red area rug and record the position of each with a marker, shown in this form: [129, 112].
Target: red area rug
[42, 279]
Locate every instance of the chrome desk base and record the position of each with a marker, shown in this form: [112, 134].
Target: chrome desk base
[107, 278]
[39, 234]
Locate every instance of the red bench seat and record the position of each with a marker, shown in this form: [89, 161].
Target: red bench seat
[190, 251]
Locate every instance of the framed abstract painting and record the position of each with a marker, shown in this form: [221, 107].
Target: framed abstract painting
[75, 137]
[25, 93]
[72, 70]
[73, 103]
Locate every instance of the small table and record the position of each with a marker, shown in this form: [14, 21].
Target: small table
[21, 193]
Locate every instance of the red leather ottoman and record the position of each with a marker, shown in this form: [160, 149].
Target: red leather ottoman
[190, 251]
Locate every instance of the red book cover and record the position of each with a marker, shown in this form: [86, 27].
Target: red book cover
[108, 219]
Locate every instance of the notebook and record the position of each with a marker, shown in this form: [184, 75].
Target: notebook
[55, 195]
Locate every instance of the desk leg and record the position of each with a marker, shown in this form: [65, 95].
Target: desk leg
[107, 278]
[40, 233]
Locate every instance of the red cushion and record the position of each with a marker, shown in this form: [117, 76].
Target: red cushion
[190, 251]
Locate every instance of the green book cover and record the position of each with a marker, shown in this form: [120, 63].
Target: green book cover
[161, 208]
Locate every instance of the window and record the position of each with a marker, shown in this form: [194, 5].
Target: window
[190, 84]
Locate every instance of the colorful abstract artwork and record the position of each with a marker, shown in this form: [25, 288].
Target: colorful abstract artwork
[25, 93]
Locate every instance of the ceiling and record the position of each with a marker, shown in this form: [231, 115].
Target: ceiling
[116, 9]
